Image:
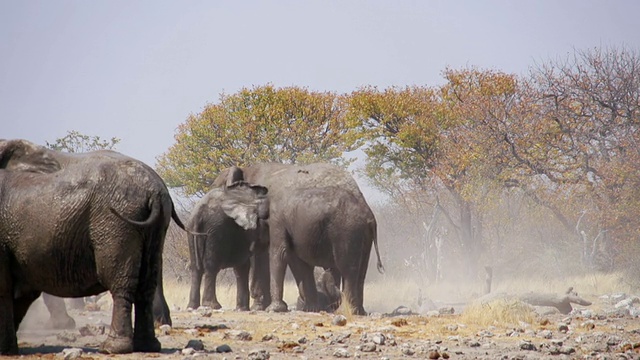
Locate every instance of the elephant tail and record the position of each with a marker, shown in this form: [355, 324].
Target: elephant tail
[198, 250]
[156, 209]
[176, 218]
[375, 245]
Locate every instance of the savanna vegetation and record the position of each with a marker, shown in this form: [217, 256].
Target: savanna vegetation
[536, 175]
[533, 173]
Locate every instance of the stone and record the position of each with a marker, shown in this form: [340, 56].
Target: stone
[339, 320]
[224, 348]
[196, 345]
[72, 353]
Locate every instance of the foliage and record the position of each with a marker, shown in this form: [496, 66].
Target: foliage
[261, 124]
[76, 142]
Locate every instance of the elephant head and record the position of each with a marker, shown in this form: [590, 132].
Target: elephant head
[22, 155]
[329, 295]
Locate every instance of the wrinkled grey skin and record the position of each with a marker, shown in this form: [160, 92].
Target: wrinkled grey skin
[318, 217]
[76, 225]
[329, 296]
[229, 218]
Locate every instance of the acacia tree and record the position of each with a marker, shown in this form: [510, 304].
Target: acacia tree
[261, 124]
[578, 150]
[76, 142]
[439, 141]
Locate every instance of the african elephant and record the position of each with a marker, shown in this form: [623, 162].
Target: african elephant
[329, 296]
[229, 220]
[318, 217]
[101, 222]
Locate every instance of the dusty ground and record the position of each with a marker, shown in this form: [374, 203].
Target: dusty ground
[605, 330]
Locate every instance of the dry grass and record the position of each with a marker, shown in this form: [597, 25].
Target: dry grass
[501, 313]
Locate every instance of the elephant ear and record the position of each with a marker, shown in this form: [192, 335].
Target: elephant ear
[241, 202]
[22, 155]
[234, 175]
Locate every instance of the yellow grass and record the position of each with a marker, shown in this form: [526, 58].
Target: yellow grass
[498, 313]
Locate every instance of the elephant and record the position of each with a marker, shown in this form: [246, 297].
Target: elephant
[101, 219]
[329, 295]
[229, 218]
[317, 217]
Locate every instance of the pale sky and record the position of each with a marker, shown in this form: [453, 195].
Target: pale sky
[136, 69]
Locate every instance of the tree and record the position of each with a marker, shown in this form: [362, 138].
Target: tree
[261, 124]
[75, 142]
[578, 150]
[440, 141]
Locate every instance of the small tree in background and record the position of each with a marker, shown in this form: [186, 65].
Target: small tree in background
[76, 142]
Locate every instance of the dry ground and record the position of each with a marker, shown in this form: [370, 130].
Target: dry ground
[501, 330]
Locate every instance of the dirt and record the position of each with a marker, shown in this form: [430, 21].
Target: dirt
[605, 330]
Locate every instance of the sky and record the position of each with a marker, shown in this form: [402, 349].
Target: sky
[135, 70]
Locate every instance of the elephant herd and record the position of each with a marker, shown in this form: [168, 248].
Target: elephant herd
[75, 225]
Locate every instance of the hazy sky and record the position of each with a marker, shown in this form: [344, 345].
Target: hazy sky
[136, 69]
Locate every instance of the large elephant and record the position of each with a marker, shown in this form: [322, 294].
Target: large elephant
[228, 222]
[76, 225]
[318, 217]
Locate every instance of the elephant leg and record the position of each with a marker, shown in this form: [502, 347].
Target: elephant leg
[121, 278]
[58, 316]
[259, 281]
[194, 292]
[149, 297]
[161, 313]
[303, 273]
[362, 274]
[8, 325]
[209, 297]
[278, 267]
[242, 286]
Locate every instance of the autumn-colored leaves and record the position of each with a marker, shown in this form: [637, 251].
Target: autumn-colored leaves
[566, 135]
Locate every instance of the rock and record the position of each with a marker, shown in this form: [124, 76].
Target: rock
[92, 330]
[196, 345]
[433, 354]
[528, 346]
[188, 351]
[72, 353]
[408, 351]
[401, 310]
[339, 320]
[165, 329]
[545, 334]
[259, 355]
[378, 339]
[204, 311]
[341, 353]
[448, 310]
[563, 328]
[224, 348]
[368, 347]
[238, 335]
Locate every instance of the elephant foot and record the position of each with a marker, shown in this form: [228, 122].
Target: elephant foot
[64, 322]
[359, 310]
[9, 349]
[117, 345]
[258, 307]
[278, 306]
[193, 305]
[149, 344]
[212, 304]
[242, 308]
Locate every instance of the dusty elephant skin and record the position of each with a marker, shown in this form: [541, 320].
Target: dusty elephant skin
[227, 222]
[318, 217]
[101, 222]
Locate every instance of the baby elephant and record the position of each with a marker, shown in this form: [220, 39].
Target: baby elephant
[329, 295]
[226, 226]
